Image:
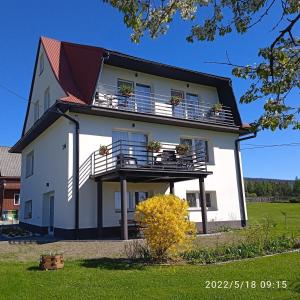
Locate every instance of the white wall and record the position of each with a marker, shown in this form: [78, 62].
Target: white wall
[159, 85]
[96, 130]
[41, 83]
[54, 164]
[50, 166]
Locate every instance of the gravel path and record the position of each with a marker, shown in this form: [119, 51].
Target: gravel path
[26, 250]
[30, 249]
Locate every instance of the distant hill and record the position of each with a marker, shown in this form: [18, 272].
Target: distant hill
[290, 182]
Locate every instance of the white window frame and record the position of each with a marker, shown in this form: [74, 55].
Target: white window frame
[46, 98]
[41, 63]
[209, 148]
[28, 209]
[29, 164]
[132, 201]
[36, 110]
[213, 200]
[15, 199]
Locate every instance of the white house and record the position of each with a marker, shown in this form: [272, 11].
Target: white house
[83, 97]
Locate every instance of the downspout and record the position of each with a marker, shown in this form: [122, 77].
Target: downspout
[239, 176]
[76, 175]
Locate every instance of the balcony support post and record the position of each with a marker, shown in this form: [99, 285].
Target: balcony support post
[171, 187]
[124, 217]
[203, 205]
[99, 209]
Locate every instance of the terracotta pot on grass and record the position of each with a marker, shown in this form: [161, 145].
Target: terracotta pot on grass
[51, 262]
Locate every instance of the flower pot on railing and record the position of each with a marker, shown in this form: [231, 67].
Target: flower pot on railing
[51, 261]
[154, 146]
[126, 91]
[182, 149]
[217, 109]
[175, 100]
[103, 150]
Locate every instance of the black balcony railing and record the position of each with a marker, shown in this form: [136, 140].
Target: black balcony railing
[148, 103]
[136, 155]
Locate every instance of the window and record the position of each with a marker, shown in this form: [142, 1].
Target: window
[29, 164]
[46, 99]
[28, 210]
[133, 198]
[143, 98]
[178, 111]
[125, 101]
[199, 147]
[16, 199]
[36, 110]
[192, 106]
[132, 143]
[193, 199]
[41, 63]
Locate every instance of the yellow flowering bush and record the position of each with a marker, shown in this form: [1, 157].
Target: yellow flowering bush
[165, 224]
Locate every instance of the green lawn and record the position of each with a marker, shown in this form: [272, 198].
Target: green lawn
[113, 279]
[274, 211]
[97, 280]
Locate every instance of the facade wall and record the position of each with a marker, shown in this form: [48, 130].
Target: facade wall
[49, 175]
[41, 82]
[54, 157]
[159, 85]
[95, 131]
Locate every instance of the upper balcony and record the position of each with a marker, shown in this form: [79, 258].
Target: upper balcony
[189, 108]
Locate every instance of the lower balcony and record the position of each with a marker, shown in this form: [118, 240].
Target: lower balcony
[140, 159]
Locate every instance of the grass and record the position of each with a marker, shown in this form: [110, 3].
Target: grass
[110, 279]
[276, 212]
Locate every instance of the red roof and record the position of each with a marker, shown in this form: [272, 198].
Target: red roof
[76, 68]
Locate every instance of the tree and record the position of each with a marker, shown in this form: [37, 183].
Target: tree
[278, 72]
[296, 189]
[164, 222]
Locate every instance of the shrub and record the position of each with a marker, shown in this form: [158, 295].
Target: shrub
[136, 249]
[164, 222]
[240, 251]
[294, 200]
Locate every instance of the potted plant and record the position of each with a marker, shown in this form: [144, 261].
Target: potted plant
[51, 261]
[103, 150]
[182, 149]
[217, 108]
[154, 146]
[126, 90]
[175, 100]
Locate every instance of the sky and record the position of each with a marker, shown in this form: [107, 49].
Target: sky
[95, 23]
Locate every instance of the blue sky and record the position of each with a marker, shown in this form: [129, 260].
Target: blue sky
[94, 23]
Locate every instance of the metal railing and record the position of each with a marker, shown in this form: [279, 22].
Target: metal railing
[149, 103]
[136, 155]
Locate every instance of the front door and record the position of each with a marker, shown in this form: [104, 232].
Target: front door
[51, 215]
[48, 212]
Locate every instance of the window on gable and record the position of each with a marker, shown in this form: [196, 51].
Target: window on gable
[41, 65]
[29, 164]
[193, 199]
[16, 199]
[28, 209]
[36, 111]
[46, 99]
